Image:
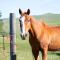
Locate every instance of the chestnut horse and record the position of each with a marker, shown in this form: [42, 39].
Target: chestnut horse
[41, 36]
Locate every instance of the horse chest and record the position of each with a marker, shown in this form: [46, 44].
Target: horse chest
[34, 43]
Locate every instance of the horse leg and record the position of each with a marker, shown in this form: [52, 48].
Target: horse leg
[35, 54]
[44, 54]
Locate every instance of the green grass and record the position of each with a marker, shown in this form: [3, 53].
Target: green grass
[23, 51]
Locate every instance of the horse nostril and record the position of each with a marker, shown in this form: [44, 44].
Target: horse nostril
[22, 36]
[25, 34]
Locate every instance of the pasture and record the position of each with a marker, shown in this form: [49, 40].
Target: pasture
[23, 49]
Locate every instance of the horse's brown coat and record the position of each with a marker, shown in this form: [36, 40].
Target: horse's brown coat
[42, 37]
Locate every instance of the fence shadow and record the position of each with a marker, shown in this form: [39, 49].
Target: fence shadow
[58, 54]
[55, 53]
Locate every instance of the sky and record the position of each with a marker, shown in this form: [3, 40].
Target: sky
[37, 7]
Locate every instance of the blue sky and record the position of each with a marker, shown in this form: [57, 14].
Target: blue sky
[37, 7]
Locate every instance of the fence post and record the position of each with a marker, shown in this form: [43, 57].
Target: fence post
[12, 37]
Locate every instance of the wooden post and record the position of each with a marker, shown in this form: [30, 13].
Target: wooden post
[12, 37]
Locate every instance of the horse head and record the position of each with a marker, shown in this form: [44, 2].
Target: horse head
[24, 23]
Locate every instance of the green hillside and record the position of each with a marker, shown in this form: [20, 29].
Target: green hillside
[50, 18]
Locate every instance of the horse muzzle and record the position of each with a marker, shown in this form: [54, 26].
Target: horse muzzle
[23, 36]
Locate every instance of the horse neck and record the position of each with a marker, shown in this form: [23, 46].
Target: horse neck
[35, 27]
[33, 24]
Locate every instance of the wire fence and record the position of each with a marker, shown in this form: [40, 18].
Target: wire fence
[4, 46]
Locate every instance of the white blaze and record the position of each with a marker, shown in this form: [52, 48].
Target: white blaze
[23, 25]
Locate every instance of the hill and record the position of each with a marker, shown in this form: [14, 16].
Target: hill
[49, 18]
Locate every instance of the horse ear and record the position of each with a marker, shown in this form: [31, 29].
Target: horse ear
[28, 11]
[20, 11]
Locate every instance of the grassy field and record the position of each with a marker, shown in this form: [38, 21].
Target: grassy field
[23, 49]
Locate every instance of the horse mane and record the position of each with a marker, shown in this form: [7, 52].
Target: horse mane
[43, 22]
